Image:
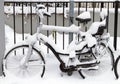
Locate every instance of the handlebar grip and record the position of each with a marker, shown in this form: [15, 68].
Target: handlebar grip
[46, 14]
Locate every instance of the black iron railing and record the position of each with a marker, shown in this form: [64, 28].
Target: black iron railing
[80, 6]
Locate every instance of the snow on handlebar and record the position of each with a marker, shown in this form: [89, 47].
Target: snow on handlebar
[40, 9]
[73, 28]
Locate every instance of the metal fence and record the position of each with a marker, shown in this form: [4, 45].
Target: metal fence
[79, 5]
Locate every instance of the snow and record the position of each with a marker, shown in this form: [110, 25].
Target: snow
[62, 0]
[103, 14]
[95, 25]
[84, 15]
[53, 73]
[27, 10]
[73, 28]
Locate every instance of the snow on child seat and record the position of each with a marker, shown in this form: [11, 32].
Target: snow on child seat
[95, 26]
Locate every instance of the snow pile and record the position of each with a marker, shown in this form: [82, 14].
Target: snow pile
[9, 36]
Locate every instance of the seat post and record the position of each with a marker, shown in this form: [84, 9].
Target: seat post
[84, 25]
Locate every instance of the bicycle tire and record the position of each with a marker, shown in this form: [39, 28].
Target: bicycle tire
[38, 58]
[117, 63]
[112, 55]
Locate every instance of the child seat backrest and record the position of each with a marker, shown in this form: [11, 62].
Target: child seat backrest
[97, 28]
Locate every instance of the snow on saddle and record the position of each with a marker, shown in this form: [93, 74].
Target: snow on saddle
[84, 17]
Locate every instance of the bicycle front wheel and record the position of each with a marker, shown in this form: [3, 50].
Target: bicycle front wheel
[117, 67]
[34, 66]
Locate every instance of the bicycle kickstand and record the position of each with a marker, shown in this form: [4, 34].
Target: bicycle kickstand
[81, 74]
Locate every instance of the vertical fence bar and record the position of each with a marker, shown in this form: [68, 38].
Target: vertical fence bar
[31, 32]
[55, 22]
[93, 10]
[66, 4]
[71, 18]
[14, 23]
[63, 25]
[115, 24]
[47, 24]
[101, 7]
[102, 4]
[113, 5]
[47, 21]
[107, 17]
[86, 6]
[79, 4]
[86, 10]
[22, 22]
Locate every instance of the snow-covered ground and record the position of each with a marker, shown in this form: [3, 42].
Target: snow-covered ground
[53, 73]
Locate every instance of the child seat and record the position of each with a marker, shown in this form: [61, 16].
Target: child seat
[97, 28]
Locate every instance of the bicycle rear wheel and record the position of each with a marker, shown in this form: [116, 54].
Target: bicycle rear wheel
[117, 67]
[35, 65]
[106, 53]
[106, 58]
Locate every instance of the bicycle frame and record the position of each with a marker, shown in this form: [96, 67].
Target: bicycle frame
[45, 40]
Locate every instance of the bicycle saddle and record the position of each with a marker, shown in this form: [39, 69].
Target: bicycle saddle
[84, 17]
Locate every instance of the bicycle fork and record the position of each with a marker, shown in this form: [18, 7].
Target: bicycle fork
[24, 61]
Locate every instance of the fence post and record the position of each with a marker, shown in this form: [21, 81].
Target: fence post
[2, 35]
[71, 18]
[115, 23]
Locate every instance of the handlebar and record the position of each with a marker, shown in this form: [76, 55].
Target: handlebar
[41, 11]
[47, 14]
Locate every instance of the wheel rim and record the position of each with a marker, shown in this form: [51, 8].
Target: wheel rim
[34, 66]
[117, 68]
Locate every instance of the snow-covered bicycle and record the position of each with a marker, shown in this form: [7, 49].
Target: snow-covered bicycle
[92, 52]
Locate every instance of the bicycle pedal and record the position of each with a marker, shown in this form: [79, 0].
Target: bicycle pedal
[88, 62]
[94, 68]
[90, 67]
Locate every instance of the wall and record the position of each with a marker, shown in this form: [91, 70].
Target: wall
[2, 35]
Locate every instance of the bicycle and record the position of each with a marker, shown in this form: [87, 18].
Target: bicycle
[87, 53]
